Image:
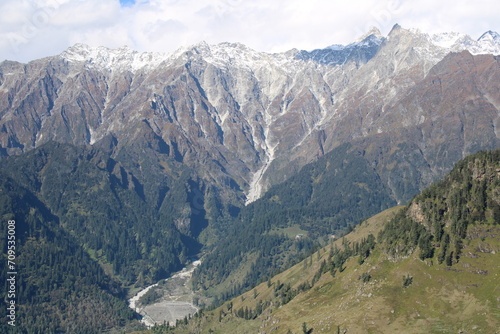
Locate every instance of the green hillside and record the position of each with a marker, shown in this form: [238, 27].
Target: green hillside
[86, 232]
[429, 267]
[57, 287]
[325, 198]
[95, 197]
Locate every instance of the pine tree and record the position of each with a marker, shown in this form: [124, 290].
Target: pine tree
[304, 328]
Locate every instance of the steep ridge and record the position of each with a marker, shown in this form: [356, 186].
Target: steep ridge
[57, 286]
[365, 100]
[370, 172]
[449, 114]
[327, 197]
[93, 197]
[430, 266]
[233, 114]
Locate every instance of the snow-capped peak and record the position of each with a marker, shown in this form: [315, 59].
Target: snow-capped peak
[228, 54]
[224, 54]
[373, 33]
[490, 37]
[120, 58]
[448, 39]
[488, 43]
[370, 39]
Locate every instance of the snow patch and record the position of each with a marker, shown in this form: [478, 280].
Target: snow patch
[256, 187]
[488, 43]
[122, 58]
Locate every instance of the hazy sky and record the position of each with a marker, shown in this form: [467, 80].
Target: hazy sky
[31, 29]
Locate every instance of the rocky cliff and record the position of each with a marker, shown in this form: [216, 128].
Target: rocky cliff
[248, 119]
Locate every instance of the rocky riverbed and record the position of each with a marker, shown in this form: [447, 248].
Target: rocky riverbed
[168, 300]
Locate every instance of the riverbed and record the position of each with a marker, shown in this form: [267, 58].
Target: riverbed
[175, 301]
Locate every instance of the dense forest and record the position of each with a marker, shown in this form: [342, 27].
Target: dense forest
[88, 230]
[325, 198]
[59, 288]
[95, 197]
[437, 220]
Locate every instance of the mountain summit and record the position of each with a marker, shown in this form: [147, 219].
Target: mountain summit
[490, 36]
[254, 109]
[374, 32]
[257, 117]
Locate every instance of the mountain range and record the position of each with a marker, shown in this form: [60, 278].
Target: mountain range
[251, 118]
[143, 160]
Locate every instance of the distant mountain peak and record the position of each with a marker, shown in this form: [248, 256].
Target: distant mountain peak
[395, 29]
[488, 43]
[373, 33]
[120, 58]
[490, 35]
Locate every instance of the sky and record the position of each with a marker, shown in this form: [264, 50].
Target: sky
[32, 29]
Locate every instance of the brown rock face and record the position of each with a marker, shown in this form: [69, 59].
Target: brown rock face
[249, 120]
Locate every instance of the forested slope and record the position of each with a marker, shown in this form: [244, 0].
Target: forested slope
[325, 198]
[59, 288]
[428, 267]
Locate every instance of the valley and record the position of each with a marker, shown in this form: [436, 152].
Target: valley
[390, 284]
[172, 299]
[135, 161]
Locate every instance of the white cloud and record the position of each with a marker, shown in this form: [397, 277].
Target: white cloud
[32, 29]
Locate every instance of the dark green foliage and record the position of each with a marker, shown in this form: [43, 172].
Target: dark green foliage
[162, 329]
[338, 257]
[249, 314]
[449, 259]
[83, 210]
[104, 207]
[60, 289]
[365, 247]
[425, 245]
[150, 297]
[402, 235]
[440, 215]
[445, 244]
[325, 197]
[365, 277]
[284, 293]
[407, 281]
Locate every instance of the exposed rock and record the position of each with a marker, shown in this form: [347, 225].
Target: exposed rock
[251, 119]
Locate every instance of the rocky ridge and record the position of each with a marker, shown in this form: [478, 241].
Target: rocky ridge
[235, 115]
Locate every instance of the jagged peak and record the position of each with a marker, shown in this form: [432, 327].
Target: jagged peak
[204, 47]
[371, 38]
[488, 43]
[490, 36]
[374, 32]
[198, 47]
[230, 54]
[395, 29]
[448, 39]
[125, 58]
[84, 50]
